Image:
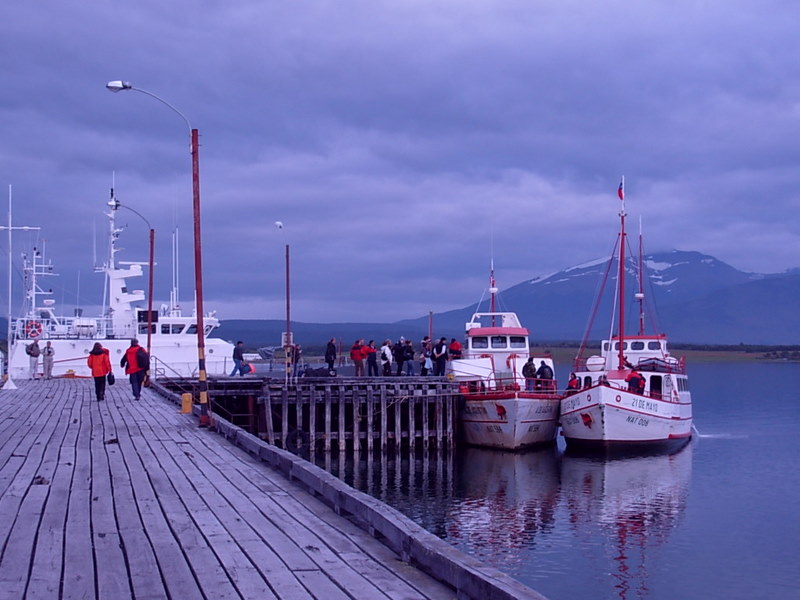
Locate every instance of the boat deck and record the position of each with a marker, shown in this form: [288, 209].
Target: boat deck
[122, 499]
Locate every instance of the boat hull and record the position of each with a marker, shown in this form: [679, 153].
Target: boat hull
[171, 358]
[603, 416]
[510, 420]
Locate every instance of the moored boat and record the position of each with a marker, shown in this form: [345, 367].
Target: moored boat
[173, 335]
[634, 393]
[504, 407]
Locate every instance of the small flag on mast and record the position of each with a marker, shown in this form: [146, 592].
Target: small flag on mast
[621, 189]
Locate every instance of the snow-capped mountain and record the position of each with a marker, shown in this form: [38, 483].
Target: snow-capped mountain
[692, 297]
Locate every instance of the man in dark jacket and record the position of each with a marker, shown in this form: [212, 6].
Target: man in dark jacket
[440, 358]
[330, 354]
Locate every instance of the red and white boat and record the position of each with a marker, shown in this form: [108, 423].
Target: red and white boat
[609, 410]
[503, 408]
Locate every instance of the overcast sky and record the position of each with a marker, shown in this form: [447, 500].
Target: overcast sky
[395, 139]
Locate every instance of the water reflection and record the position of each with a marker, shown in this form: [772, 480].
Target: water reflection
[565, 525]
[630, 505]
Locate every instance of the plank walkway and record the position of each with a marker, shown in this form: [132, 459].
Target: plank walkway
[122, 499]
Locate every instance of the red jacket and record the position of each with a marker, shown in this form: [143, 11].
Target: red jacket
[100, 364]
[357, 352]
[129, 360]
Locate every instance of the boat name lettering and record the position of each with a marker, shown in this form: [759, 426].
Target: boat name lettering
[494, 428]
[644, 404]
[572, 403]
[533, 428]
[475, 410]
[638, 421]
[544, 410]
[570, 420]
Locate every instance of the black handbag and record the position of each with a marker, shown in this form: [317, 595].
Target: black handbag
[111, 379]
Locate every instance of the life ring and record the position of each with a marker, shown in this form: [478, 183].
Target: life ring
[511, 357]
[33, 329]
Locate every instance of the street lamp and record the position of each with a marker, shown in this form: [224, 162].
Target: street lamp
[288, 346]
[205, 419]
[115, 204]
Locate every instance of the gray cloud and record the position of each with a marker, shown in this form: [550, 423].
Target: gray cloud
[396, 139]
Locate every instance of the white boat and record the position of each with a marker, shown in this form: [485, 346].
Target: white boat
[502, 408]
[607, 410]
[125, 316]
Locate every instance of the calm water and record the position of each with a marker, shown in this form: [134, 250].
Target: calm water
[719, 519]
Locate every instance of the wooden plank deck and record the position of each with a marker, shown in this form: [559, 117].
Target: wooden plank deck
[122, 499]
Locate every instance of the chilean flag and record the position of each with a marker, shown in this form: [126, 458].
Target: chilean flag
[621, 189]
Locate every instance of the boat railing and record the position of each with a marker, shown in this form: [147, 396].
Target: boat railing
[649, 364]
[509, 383]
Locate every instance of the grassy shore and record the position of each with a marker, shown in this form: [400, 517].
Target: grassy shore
[567, 355]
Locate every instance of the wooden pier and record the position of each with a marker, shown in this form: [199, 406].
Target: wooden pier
[123, 499]
[342, 413]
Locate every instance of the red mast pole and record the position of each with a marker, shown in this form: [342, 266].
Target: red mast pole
[202, 379]
[621, 276]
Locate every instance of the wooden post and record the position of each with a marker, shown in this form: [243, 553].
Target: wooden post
[327, 419]
[251, 414]
[342, 405]
[398, 403]
[412, 423]
[425, 421]
[312, 419]
[438, 408]
[370, 419]
[268, 419]
[284, 415]
[356, 423]
[383, 418]
[298, 415]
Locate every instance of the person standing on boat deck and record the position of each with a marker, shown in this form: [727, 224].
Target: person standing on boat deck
[635, 382]
[408, 358]
[371, 352]
[297, 353]
[573, 385]
[545, 374]
[48, 352]
[529, 373]
[135, 362]
[99, 362]
[238, 359]
[386, 357]
[330, 354]
[357, 356]
[455, 349]
[33, 352]
[440, 358]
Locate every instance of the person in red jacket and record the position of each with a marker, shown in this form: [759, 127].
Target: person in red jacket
[136, 363]
[357, 356]
[99, 362]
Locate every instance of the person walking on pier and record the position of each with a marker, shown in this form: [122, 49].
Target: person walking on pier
[398, 352]
[425, 362]
[238, 359]
[440, 358]
[357, 356]
[371, 353]
[99, 362]
[136, 362]
[33, 352]
[330, 354]
[48, 352]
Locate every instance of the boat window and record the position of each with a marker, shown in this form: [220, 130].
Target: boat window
[656, 384]
[499, 341]
[177, 328]
[143, 328]
[192, 329]
[208, 328]
[518, 341]
[605, 346]
[654, 345]
[624, 345]
[480, 341]
[165, 329]
[637, 345]
[587, 381]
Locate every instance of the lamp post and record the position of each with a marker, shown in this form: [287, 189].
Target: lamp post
[288, 345]
[115, 204]
[205, 419]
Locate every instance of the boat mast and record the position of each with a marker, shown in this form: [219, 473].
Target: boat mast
[492, 292]
[640, 295]
[621, 276]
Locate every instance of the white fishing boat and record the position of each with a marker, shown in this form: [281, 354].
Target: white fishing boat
[634, 392]
[502, 407]
[173, 336]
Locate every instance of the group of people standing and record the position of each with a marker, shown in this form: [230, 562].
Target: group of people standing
[47, 353]
[135, 361]
[399, 358]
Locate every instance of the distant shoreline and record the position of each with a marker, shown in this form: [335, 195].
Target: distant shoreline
[566, 355]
